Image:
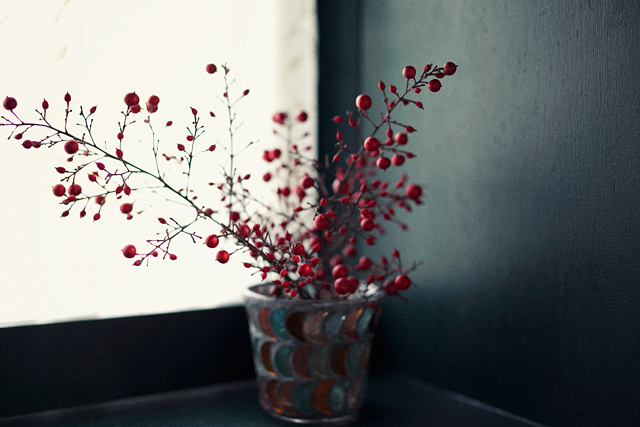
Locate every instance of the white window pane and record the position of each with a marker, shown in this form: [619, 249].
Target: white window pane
[53, 268]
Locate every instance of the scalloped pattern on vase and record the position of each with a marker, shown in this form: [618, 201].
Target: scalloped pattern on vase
[312, 362]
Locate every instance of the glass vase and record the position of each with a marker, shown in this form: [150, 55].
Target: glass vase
[312, 356]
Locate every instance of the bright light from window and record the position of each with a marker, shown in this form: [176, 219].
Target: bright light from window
[55, 268]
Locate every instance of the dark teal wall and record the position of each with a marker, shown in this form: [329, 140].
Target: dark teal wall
[529, 296]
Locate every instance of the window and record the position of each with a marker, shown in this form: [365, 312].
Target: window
[56, 269]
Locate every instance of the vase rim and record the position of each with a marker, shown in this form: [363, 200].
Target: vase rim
[373, 293]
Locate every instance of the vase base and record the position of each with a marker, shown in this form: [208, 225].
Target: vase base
[345, 419]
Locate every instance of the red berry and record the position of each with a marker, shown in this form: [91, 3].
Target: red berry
[401, 138]
[135, 109]
[413, 191]
[126, 208]
[246, 92]
[222, 256]
[381, 85]
[75, 189]
[304, 270]
[390, 288]
[59, 190]
[363, 102]
[211, 68]
[321, 222]
[393, 89]
[383, 163]
[397, 159]
[9, 103]
[349, 251]
[266, 177]
[342, 286]
[93, 109]
[302, 116]
[100, 200]
[366, 224]
[364, 263]
[67, 98]
[27, 144]
[337, 119]
[96, 216]
[371, 143]
[340, 187]
[120, 136]
[173, 257]
[449, 68]
[131, 99]
[119, 153]
[434, 85]
[409, 72]
[45, 104]
[153, 101]
[127, 190]
[402, 282]
[71, 146]
[306, 182]
[354, 282]
[340, 270]
[129, 251]
[279, 117]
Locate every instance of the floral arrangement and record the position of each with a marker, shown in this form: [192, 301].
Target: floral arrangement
[305, 242]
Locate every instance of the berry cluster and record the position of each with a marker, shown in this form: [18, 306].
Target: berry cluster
[306, 243]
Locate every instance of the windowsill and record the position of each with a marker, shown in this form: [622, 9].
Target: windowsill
[392, 399]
